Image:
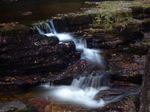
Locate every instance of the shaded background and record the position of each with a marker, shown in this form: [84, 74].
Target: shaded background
[33, 10]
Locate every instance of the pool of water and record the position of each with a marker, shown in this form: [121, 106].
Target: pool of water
[34, 10]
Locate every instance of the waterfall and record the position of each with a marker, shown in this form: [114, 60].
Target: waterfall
[92, 55]
[83, 89]
[46, 27]
[91, 81]
[52, 26]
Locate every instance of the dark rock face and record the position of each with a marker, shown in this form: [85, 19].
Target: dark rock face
[35, 57]
[145, 92]
[130, 67]
[39, 54]
[107, 94]
[81, 67]
[16, 106]
[140, 12]
[146, 25]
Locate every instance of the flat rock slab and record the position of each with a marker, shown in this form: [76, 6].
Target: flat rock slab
[12, 106]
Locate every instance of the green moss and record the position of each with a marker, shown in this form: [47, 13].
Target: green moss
[13, 30]
[111, 13]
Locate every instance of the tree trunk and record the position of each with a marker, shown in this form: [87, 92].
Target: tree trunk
[145, 92]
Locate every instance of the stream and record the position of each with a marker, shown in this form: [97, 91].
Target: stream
[84, 90]
[91, 92]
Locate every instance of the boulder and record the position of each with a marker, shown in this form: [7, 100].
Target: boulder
[107, 95]
[16, 106]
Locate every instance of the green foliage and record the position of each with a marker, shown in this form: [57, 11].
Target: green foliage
[106, 18]
[111, 12]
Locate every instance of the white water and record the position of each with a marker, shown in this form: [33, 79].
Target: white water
[83, 90]
[92, 55]
[78, 96]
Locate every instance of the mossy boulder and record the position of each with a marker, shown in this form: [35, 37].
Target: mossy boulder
[140, 12]
[77, 22]
[14, 30]
[132, 30]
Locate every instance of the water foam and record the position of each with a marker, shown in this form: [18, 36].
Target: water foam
[92, 55]
[84, 97]
[83, 90]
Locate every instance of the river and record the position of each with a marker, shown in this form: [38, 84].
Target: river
[34, 10]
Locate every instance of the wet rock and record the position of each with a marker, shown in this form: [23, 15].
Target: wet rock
[118, 84]
[63, 81]
[61, 25]
[17, 84]
[16, 106]
[145, 90]
[146, 25]
[40, 103]
[12, 106]
[44, 40]
[127, 65]
[35, 56]
[77, 22]
[107, 95]
[137, 79]
[57, 108]
[65, 47]
[81, 67]
[140, 12]
[127, 104]
[78, 19]
[132, 31]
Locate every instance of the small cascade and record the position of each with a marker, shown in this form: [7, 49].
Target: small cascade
[92, 55]
[83, 89]
[40, 29]
[87, 91]
[48, 28]
[52, 26]
[90, 81]
[80, 44]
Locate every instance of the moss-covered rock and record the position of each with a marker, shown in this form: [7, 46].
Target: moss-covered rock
[132, 30]
[146, 25]
[77, 22]
[14, 30]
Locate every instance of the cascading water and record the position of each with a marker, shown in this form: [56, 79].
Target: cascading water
[84, 89]
[92, 55]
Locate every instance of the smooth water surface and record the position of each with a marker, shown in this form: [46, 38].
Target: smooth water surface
[34, 10]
